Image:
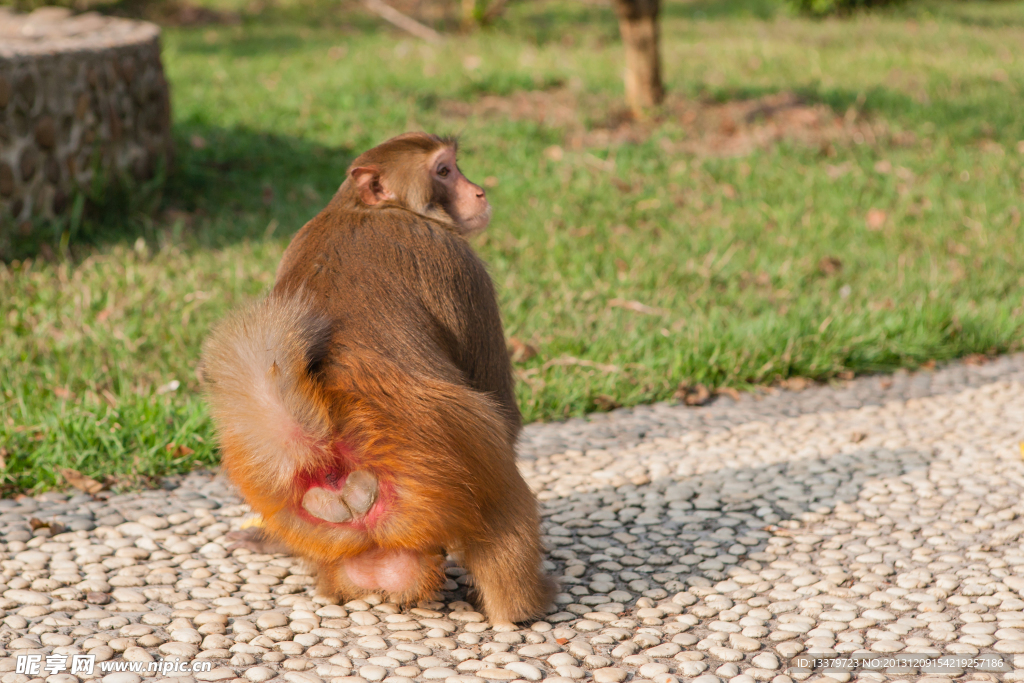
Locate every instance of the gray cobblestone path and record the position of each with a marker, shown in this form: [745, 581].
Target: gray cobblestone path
[709, 544]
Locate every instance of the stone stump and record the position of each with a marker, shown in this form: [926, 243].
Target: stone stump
[80, 96]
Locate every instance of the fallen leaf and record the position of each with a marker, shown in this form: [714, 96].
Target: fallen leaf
[3, 458]
[519, 351]
[846, 375]
[992, 147]
[839, 170]
[561, 641]
[796, 383]
[728, 391]
[692, 394]
[179, 451]
[976, 359]
[830, 265]
[604, 402]
[621, 184]
[80, 481]
[957, 248]
[876, 219]
[884, 305]
[569, 360]
[173, 216]
[109, 398]
[636, 306]
[857, 437]
[928, 365]
[53, 525]
[585, 231]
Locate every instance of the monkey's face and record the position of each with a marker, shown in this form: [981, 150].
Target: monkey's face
[465, 202]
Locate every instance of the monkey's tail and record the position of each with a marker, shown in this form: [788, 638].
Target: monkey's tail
[271, 417]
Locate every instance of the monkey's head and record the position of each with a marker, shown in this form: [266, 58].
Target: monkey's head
[419, 172]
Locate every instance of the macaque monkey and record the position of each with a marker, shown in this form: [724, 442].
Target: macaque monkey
[365, 408]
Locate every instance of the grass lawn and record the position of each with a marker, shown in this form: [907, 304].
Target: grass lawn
[816, 198]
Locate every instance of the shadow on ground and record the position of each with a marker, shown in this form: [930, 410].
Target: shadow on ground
[241, 180]
[224, 185]
[725, 505]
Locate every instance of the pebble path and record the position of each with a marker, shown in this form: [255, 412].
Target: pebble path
[711, 544]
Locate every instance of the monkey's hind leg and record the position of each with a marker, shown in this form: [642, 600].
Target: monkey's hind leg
[509, 582]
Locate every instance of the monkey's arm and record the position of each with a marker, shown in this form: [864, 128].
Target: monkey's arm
[459, 294]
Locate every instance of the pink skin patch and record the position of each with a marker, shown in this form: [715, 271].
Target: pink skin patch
[394, 571]
[350, 495]
[346, 494]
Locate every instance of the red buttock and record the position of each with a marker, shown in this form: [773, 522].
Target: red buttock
[355, 499]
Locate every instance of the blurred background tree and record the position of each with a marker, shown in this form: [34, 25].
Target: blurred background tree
[638, 24]
[477, 13]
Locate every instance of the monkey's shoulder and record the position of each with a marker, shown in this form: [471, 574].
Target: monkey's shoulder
[407, 226]
[385, 246]
[422, 242]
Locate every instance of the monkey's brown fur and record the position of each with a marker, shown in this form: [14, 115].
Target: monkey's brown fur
[381, 350]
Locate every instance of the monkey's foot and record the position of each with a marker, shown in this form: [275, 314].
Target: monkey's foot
[346, 503]
[257, 540]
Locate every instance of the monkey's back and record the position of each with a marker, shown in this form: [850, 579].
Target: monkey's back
[407, 290]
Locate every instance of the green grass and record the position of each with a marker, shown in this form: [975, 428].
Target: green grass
[726, 252]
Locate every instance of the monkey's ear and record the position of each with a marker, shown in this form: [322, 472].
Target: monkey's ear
[367, 179]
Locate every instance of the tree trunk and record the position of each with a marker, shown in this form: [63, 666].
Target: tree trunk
[469, 15]
[638, 22]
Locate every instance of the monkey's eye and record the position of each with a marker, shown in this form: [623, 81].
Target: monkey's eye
[443, 171]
